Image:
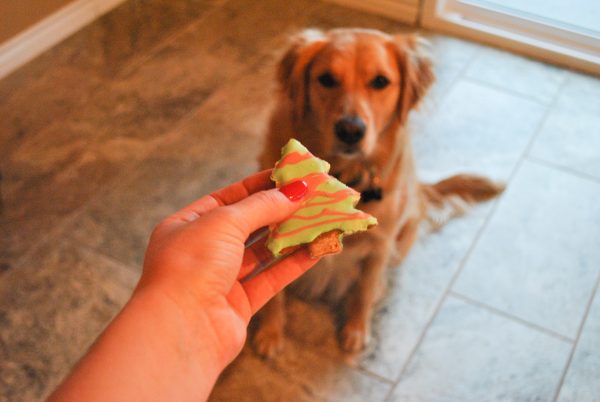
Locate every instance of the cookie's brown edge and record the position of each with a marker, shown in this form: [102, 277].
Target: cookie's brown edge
[325, 244]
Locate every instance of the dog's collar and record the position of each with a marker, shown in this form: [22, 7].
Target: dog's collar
[374, 191]
[371, 194]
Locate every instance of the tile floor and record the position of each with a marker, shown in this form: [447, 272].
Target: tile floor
[162, 101]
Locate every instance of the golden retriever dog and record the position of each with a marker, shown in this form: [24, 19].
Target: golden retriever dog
[346, 94]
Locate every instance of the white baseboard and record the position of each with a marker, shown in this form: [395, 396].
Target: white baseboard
[35, 40]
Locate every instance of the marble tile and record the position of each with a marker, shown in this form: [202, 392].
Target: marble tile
[570, 135]
[58, 169]
[132, 30]
[243, 103]
[452, 52]
[254, 27]
[56, 83]
[475, 129]
[19, 236]
[58, 158]
[516, 74]
[581, 382]
[52, 307]
[328, 15]
[299, 374]
[581, 92]
[201, 160]
[40, 101]
[415, 289]
[538, 259]
[445, 78]
[470, 354]
[242, 18]
[147, 102]
[54, 173]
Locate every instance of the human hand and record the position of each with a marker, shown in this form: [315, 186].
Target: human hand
[196, 258]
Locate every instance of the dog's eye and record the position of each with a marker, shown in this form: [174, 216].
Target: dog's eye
[327, 80]
[379, 82]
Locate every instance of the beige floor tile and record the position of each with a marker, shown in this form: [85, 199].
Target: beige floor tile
[517, 74]
[452, 52]
[581, 382]
[202, 159]
[64, 77]
[52, 307]
[538, 258]
[570, 136]
[475, 129]
[472, 355]
[415, 289]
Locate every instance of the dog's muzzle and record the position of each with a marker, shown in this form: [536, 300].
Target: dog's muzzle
[350, 130]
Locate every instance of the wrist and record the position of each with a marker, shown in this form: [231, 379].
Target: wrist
[150, 351]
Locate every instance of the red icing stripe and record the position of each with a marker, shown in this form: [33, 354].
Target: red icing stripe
[320, 214]
[278, 235]
[293, 158]
[313, 180]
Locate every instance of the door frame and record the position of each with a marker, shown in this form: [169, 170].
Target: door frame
[579, 49]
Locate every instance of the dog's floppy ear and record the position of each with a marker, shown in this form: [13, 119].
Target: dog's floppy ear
[293, 69]
[416, 72]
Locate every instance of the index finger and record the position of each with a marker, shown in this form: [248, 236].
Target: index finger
[261, 288]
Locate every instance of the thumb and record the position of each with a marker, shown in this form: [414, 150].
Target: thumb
[267, 207]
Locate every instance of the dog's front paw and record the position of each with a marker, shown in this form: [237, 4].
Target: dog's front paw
[268, 342]
[354, 337]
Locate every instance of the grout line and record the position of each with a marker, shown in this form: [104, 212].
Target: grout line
[438, 306]
[478, 235]
[101, 253]
[373, 375]
[588, 307]
[508, 90]
[566, 169]
[509, 316]
[127, 67]
[538, 129]
[140, 59]
[577, 337]
[462, 71]
[444, 296]
[118, 180]
[434, 104]
[123, 180]
[104, 188]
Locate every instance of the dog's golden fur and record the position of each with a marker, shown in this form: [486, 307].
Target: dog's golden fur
[323, 77]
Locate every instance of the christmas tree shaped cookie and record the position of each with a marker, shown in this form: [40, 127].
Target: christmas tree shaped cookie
[327, 213]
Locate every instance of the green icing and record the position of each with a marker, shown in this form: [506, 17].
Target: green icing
[306, 236]
[302, 169]
[291, 172]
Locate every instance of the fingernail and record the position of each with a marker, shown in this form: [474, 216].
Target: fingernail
[295, 190]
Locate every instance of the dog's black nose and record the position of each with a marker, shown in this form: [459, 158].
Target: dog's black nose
[350, 129]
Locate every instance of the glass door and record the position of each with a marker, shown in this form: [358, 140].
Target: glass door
[560, 31]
